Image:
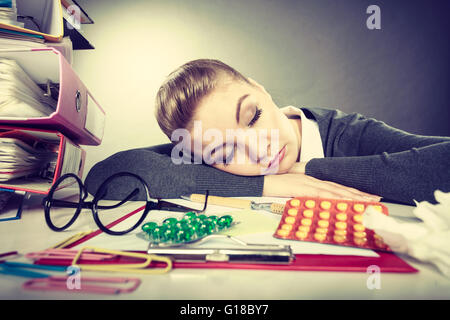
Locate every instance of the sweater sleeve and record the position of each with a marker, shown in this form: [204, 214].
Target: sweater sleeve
[373, 157]
[167, 179]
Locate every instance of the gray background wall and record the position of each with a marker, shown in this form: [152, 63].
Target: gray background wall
[305, 53]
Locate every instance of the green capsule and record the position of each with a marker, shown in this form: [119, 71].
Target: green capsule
[179, 235]
[189, 234]
[170, 221]
[224, 221]
[201, 230]
[202, 217]
[195, 225]
[169, 234]
[157, 234]
[182, 224]
[212, 219]
[190, 215]
[207, 227]
[149, 226]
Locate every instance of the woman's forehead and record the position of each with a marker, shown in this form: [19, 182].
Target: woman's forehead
[218, 108]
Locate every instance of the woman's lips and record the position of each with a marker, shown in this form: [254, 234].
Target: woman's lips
[278, 158]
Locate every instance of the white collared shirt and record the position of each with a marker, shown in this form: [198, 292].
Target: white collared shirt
[311, 146]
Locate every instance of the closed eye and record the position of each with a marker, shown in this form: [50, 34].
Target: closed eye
[255, 117]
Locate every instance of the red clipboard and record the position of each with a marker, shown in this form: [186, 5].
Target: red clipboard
[386, 262]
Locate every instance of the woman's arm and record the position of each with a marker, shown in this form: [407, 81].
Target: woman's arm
[169, 180]
[371, 156]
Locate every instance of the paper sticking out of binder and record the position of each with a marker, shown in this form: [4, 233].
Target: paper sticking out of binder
[23, 155]
[39, 89]
[19, 95]
[31, 159]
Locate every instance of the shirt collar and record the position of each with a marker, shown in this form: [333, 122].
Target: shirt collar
[311, 146]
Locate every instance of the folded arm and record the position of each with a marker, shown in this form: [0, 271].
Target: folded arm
[169, 180]
[373, 157]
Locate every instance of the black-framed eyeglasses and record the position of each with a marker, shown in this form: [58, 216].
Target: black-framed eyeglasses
[66, 199]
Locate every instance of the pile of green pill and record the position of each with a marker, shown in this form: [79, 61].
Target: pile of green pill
[188, 228]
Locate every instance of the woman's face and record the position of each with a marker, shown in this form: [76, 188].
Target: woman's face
[242, 131]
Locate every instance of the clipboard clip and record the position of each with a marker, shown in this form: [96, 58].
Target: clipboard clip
[242, 253]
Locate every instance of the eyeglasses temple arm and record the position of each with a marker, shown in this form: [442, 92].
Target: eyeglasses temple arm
[131, 195]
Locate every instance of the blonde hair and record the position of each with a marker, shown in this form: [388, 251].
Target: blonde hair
[180, 93]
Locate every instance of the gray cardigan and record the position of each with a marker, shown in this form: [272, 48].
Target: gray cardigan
[360, 152]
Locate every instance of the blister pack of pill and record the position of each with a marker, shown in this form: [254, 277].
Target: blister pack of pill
[189, 228]
[331, 221]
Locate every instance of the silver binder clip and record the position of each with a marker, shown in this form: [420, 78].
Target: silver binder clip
[243, 253]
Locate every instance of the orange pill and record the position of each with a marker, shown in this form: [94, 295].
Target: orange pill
[310, 204]
[339, 238]
[295, 202]
[358, 227]
[301, 235]
[289, 220]
[341, 216]
[339, 232]
[359, 234]
[308, 213]
[324, 215]
[359, 241]
[320, 236]
[341, 225]
[283, 233]
[292, 212]
[358, 207]
[358, 218]
[321, 230]
[286, 227]
[325, 205]
[306, 222]
[303, 228]
[341, 206]
[323, 223]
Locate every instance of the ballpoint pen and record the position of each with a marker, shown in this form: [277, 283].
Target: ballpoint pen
[237, 203]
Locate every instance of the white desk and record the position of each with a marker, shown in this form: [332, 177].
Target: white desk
[31, 233]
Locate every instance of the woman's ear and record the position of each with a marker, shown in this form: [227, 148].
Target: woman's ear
[256, 84]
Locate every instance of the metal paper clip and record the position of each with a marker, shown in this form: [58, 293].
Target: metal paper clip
[140, 267]
[244, 253]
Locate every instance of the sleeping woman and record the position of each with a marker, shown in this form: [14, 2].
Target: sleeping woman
[229, 137]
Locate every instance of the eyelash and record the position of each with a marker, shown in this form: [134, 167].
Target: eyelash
[256, 117]
[250, 124]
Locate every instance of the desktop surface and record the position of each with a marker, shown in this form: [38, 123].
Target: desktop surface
[30, 233]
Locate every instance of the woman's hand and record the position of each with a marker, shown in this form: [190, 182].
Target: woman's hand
[299, 184]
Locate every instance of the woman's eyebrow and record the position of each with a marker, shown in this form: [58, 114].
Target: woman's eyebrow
[238, 108]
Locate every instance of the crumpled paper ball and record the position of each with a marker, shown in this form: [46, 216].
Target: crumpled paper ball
[427, 240]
